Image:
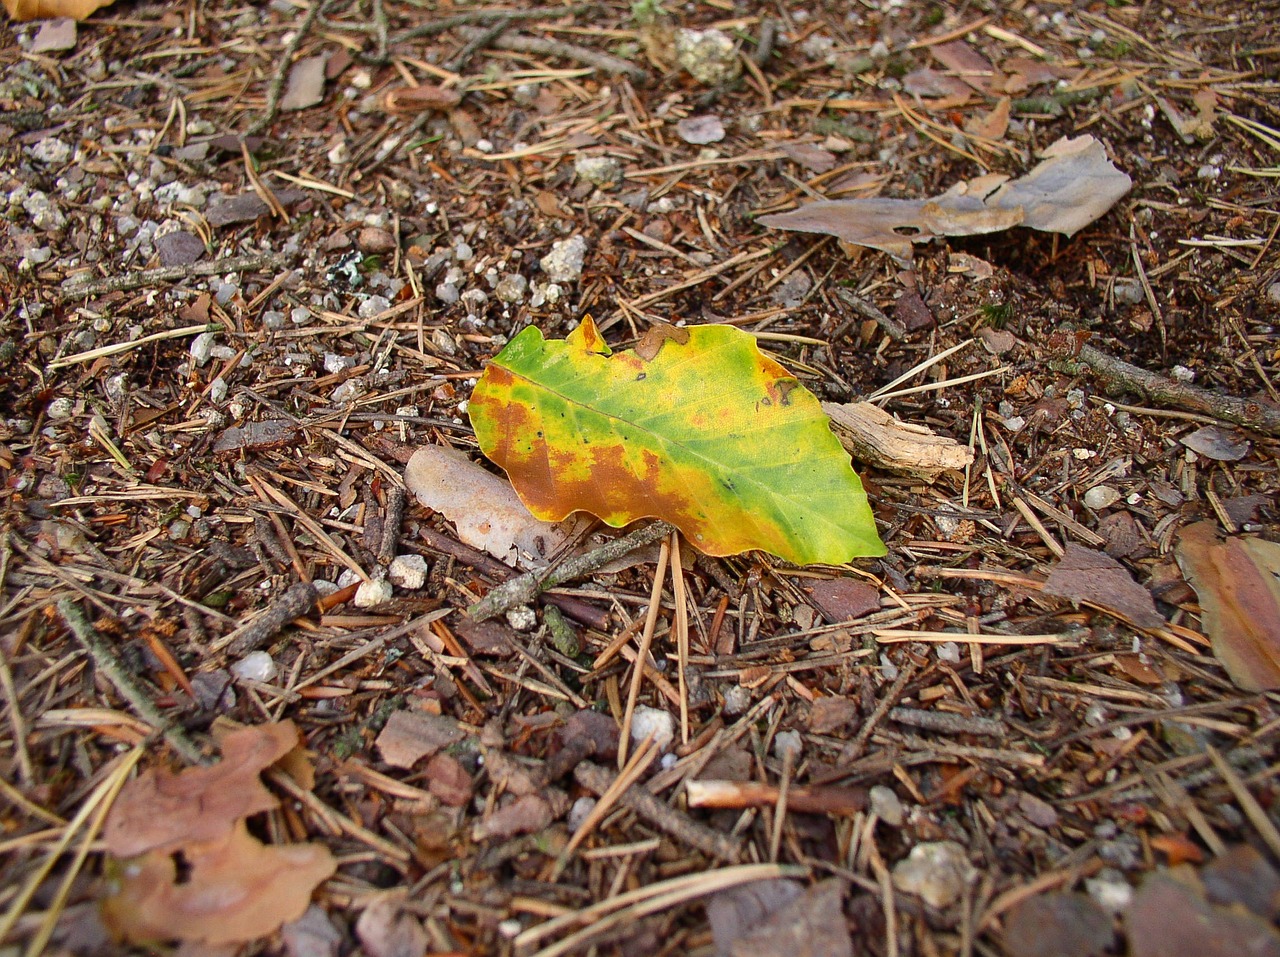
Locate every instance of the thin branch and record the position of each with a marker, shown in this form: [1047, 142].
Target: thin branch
[83, 285]
[1180, 395]
[276, 87]
[109, 665]
[524, 588]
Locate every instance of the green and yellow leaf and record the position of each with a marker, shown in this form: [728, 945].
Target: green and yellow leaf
[695, 426]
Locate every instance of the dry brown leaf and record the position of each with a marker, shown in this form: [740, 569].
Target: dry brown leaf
[1072, 186]
[484, 508]
[1169, 919]
[409, 736]
[1239, 591]
[1085, 575]
[877, 438]
[233, 889]
[162, 811]
[812, 924]
[385, 930]
[1057, 924]
[992, 125]
[23, 10]
[966, 63]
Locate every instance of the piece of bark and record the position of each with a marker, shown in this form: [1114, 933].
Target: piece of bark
[877, 438]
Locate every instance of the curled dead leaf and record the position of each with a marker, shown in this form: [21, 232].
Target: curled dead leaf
[162, 811]
[231, 890]
[1236, 582]
[1072, 186]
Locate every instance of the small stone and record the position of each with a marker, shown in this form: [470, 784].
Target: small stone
[61, 408]
[602, 171]
[787, 743]
[38, 255]
[372, 593]
[1128, 292]
[300, 315]
[255, 666]
[51, 151]
[202, 347]
[1273, 294]
[1101, 496]
[375, 241]
[217, 390]
[373, 306]
[737, 700]
[511, 288]
[179, 248]
[700, 130]
[334, 363]
[708, 55]
[55, 36]
[653, 722]
[936, 872]
[522, 618]
[447, 293]
[564, 262]
[463, 252]
[886, 805]
[213, 690]
[579, 810]
[408, 572]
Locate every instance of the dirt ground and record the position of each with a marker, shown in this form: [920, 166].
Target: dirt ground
[253, 256]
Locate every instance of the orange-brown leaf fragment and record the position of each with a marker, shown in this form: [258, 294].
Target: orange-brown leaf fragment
[233, 889]
[162, 811]
[23, 10]
[1238, 584]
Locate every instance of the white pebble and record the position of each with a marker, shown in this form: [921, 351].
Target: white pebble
[202, 347]
[1100, 496]
[787, 743]
[579, 811]
[522, 618]
[61, 408]
[255, 666]
[372, 593]
[659, 724]
[408, 571]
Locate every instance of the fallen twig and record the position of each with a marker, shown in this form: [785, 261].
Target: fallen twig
[676, 823]
[570, 51]
[276, 87]
[109, 665]
[524, 588]
[1157, 388]
[297, 601]
[737, 795]
[80, 285]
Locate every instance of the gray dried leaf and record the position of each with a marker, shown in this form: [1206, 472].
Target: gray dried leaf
[1215, 442]
[1085, 575]
[305, 86]
[409, 736]
[1073, 185]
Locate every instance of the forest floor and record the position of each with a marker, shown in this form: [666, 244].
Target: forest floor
[253, 256]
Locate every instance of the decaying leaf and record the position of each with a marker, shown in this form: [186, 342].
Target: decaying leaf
[408, 736]
[1085, 575]
[709, 434]
[1170, 919]
[386, 930]
[1057, 924]
[1072, 186]
[23, 10]
[305, 86]
[485, 510]
[876, 437]
[1238, 584]
[232, 889]
[162, 811]
[810, 923]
